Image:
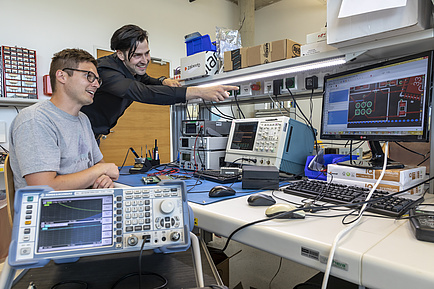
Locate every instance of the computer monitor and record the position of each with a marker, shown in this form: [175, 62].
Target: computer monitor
[387, 101]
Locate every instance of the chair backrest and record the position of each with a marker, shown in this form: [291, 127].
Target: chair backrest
[10, 189]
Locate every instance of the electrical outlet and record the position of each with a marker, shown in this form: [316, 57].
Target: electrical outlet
[277, 86]
[235, 92]
[268, 87]
[246, 89]
[291, 83]
[311, 82]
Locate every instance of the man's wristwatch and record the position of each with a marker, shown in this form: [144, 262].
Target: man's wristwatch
[161, 79]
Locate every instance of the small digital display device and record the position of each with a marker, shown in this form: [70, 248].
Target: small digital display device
[244, 136]
[65, 225]
[75, 223]
[281, 142]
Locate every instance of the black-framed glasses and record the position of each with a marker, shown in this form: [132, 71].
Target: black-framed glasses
[89, 75]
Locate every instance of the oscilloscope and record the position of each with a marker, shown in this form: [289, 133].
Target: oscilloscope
[65, 225]
[281, 141]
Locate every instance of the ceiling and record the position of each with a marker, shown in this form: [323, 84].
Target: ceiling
[259, 3]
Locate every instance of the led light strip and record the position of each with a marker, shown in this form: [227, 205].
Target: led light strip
[276, 72]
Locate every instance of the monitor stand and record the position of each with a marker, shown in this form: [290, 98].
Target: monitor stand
[376, 162]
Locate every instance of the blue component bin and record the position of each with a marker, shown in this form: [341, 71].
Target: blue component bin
[328, 159]
[199, 44]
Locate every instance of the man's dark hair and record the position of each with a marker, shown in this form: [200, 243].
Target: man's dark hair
[68, 58]
[127, 38]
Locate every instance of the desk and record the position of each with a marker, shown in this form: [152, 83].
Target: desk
[378, 253]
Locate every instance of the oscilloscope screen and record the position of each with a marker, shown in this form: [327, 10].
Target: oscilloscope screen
[244, 135]
[75, 222]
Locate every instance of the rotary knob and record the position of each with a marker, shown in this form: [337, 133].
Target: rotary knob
[132, 240]
[167, 206]
[175, 236]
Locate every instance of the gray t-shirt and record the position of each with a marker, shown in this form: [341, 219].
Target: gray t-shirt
[44, 138]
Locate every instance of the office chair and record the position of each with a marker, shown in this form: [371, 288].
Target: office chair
[10, 197]
[10, 189]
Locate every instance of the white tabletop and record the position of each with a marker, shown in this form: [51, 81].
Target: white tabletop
[374, 249]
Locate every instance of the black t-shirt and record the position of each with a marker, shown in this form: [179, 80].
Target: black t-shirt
[120, 88]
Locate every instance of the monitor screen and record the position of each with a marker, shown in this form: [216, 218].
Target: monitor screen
[74, 223]
[387, 101]
[244, 136]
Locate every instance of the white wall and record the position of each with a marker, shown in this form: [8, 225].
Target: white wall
[291, 19]
[50, 26]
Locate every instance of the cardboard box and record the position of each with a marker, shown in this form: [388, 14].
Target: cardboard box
[199, 64]
[315, 47]
[258, 54]
[383, 187]
[284, 49]
[403, 177]
[374, 21]
[235, 59]
[317, 36]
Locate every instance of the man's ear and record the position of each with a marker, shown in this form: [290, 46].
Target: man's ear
[120, 55]
[60, 76]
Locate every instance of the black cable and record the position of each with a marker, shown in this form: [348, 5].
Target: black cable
[412, 151]
[85, 285]
[311, 105]
[238, 105]
[162, 278]
[140, 262]
[188, 112]
[243, 159]
[232, 111]
[427, 158]
[277, 272]
[304, 116]
[228, 116]
[204, 103]
[349, 205]
[126, 156]
[3, 148]
[310, 285]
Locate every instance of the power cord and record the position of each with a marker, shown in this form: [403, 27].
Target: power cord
[342, 233]
[85, 285]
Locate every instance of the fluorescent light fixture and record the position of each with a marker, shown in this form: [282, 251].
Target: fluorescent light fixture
[280, 71]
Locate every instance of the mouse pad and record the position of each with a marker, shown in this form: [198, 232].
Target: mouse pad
[196, 193]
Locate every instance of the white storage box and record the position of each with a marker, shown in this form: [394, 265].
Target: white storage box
[405, 176]
[199, 64]
[315, 47]
[350, 23]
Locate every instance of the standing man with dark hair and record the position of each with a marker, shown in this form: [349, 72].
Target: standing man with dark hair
[52, 142]
[125, 80]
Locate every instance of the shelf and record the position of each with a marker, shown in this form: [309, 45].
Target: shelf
[364, 52]
[17, 101]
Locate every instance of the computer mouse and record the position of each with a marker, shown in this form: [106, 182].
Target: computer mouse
[221, 191]
[280, 208]
[260, 200]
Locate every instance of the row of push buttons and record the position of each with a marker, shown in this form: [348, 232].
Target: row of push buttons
[28, 221]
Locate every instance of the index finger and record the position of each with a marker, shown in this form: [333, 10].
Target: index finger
[230, 87]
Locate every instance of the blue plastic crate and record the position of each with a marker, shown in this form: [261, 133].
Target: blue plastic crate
[199, 44]
[328, 159]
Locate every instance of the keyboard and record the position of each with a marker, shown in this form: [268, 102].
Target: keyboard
[338, 194]
[217, 176]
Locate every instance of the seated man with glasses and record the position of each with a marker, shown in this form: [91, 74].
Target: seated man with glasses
[52, 142]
